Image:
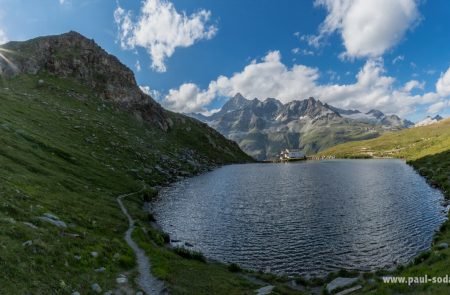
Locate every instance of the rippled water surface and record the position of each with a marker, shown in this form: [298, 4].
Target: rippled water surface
[305, 218]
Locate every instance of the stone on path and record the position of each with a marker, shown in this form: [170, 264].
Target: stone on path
[265, 290]
[351, 290]
[340, 283]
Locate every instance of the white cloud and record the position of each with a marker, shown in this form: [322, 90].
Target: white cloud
[398, 59]
[138, 66]
[302, 51]
[413, 84]
[269, 77]
[443, 84]
[155, 94]
[160, 29]
[3, 37]
[438, 107]
[189, 98]
[367, 28]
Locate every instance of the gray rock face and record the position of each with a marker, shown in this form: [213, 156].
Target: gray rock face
[264, 128]
[340, 283]
[72, 55]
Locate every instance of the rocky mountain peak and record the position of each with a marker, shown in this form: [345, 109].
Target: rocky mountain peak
[376, 113]
[236, 102]
[429, 120]
[71, 55]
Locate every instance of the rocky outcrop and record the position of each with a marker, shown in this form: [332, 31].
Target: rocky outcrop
[72, 55]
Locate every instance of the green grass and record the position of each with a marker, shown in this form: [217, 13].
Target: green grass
[427, 149]
[410, 144]
[65, 152]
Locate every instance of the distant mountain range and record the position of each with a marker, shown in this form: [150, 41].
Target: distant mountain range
[429, 120]
[264, 128]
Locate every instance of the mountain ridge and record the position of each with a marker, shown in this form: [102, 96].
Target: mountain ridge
[72, 55]
[263, 127]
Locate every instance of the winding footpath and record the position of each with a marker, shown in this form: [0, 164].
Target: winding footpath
[146, 281]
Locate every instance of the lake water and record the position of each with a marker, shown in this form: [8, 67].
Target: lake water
[305, 218]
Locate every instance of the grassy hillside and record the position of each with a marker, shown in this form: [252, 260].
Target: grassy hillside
[410, 144]
[427, 149]
[65, 152]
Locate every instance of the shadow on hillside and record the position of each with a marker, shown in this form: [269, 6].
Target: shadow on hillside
[436, 169]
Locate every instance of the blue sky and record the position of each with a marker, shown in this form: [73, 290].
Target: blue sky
[391, 55]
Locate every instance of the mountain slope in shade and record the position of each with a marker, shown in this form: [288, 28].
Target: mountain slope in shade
[264, 128]
[429, 120]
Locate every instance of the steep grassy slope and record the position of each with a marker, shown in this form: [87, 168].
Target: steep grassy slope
[65, 152]
[427, 149]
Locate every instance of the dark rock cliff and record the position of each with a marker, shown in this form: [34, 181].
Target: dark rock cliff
[72, 55]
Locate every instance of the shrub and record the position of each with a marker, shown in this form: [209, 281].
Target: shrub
[233, 267]
[159, 237]
[422, 257]
[149, 193]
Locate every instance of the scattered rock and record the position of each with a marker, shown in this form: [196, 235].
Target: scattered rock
[108, 293]
[41, 82]
[76, 293]
[96, 288]
[29, 224]
[101, 269]
[348, 291]
[9, 220]
[77, 257]
[139, 293]
[340, 283]
[265, 290]
[443, 246]
[27, 243]
[50, 218]
[121, 280]
[94, 254]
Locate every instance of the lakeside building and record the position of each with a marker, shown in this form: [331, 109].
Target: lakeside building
[292, 155]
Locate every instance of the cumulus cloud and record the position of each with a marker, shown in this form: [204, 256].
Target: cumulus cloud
[367, 28]
[160, 29]
[443, 84]
[269, 77]
[190, 98]
[438, 107]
